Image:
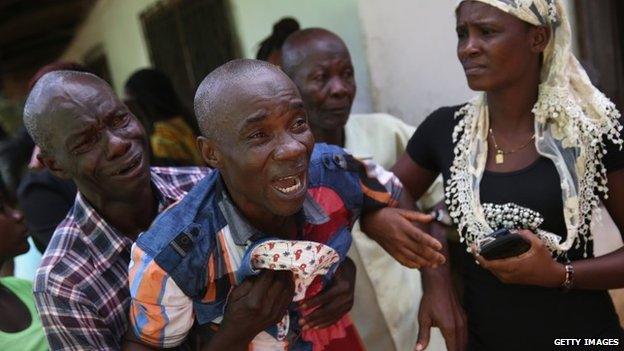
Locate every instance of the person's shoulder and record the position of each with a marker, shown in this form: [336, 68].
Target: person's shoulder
[323, 153]
[177, 172]
[17, 283]
[327, 157]
[334, 168]
[378, 122]
[375, 118]
[320, 148]
[40, 178]
[64, 258]
[33, 177]
[441, 120]
[177, 181]
[180, 239]
[445, 113]
[182, 217]
[206, 184]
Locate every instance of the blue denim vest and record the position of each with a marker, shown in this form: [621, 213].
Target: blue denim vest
[182, 238]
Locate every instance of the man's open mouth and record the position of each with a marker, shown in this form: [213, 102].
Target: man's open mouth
[288, 185]
[132, 165]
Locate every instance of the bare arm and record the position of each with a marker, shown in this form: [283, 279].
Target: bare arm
[606, 272]
[439, 305]
[393, 228]
[415, 179]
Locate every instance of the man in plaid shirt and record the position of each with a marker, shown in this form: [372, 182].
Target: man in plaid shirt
[87, 134]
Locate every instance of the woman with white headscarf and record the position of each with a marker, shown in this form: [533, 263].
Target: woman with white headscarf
[535, 152]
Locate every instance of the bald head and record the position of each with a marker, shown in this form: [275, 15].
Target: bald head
[231, 87]
[254, 131]
[319, 63]
[55, 93]
[303, 43]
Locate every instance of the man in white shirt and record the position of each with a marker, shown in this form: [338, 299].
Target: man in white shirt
[387, 294]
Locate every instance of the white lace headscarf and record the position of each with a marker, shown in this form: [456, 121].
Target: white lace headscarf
[572, 121]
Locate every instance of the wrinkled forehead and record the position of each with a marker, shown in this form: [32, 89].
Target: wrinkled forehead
[83, 97]
[264, 96]
[266, 91]
[327, 43]
[323, 48]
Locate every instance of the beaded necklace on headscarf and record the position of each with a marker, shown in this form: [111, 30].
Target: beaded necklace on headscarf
[572, 121]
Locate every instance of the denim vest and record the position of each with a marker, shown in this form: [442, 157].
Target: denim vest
[182, 238]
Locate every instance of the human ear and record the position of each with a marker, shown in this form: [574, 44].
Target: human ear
[53, 165]
[209, 152]
[540, 37]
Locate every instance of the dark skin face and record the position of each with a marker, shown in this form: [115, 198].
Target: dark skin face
[501, 55]
[263, 151]
[495, 49]
[327, 85]
[99, 144]
[511, 78]
[12, 243]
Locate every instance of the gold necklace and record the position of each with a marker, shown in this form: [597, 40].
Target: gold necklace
[500, 153]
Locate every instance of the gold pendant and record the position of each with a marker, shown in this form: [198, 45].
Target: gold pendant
[500, 157]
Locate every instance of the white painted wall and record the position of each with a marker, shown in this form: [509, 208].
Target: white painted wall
[411, 48]
[115, 25]
[403, 50]
[411, 53]
[254, 21]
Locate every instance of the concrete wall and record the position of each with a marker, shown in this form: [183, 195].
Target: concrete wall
[411, 55]
[403, 50]
[411, 49]
[115, 25]
[254, 20]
